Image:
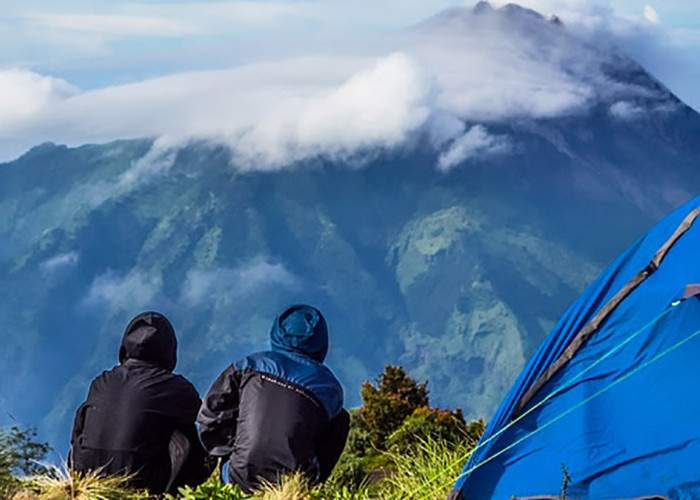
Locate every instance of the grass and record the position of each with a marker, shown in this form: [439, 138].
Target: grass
[426, 473]
[63, 484]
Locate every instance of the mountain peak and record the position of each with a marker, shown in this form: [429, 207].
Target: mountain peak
[551, 70]
[482, 7]
[510, 14]
[513, 9]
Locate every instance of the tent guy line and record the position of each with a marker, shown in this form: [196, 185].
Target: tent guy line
[609, 308]
[583, 372]
[567, 386]
[607, 447]
[584, 402]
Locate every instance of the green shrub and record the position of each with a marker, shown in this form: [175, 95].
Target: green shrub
[395, 417]
[388, 403]
[351, 470]
[429, 423]
[20, 454]
[358, 441]
[212, 489]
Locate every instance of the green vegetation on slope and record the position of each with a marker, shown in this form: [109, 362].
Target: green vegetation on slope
[456, 277]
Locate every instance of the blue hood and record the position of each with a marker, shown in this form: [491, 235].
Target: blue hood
[301, 329]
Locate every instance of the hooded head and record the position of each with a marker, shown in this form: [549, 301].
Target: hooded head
[150, 337]
[301, 329]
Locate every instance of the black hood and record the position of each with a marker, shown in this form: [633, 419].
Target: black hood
[150, 337]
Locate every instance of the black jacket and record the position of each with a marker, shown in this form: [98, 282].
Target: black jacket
[133, 410]
[278, 411]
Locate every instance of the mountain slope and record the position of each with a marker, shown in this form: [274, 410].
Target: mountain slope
[455, 272]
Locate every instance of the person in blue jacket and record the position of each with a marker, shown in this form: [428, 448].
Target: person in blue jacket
[278, 411]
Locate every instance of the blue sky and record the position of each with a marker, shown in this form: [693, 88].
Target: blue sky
[119, 66]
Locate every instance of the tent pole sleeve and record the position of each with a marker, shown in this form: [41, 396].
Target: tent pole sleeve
[605, 311]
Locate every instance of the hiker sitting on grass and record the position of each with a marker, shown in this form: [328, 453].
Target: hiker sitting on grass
[278, 411]
[139, 418]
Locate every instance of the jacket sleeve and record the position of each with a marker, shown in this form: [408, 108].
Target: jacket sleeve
[331, 444]
[79, 427]
[180, 403]
[80, 414]
[76, 434]
[218, 414]
[78, 424]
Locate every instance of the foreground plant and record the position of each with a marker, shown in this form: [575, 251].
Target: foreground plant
[426, 472]
[20, 455]
[212, 489]
[65, 484]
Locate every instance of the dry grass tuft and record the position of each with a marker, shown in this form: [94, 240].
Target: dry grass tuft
[64, 484]
[292, 487]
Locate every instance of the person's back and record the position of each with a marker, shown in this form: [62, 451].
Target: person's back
[127, 423]
[281, 410]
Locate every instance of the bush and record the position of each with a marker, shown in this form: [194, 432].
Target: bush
[351, 470]
[429, 423]
[388, 403]
[358, 441]
[356, 470]
[212, 489]
[20, 454]
[396, 421]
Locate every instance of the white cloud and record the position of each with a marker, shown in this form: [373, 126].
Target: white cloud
[459, 67]
[59, 261]
[218, 17]
[651, 15]
[476, 143]
[629, 111]
[114, 21]
[112, 25]
[269, 114]
[495, 67]
[625, 110]
[24, 94]
[231, 283]
[156, 161]
[129, 292]
[375, 108]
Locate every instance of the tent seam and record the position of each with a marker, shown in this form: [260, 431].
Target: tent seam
[587, 332]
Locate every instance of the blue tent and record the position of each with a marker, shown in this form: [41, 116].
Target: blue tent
[613, 393]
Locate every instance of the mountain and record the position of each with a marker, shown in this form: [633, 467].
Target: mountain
[450, 261]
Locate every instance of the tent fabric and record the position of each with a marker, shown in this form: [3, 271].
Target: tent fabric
[621, 413]
[608, 309]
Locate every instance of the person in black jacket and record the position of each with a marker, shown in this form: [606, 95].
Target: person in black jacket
[278, 411]
[139, 418]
